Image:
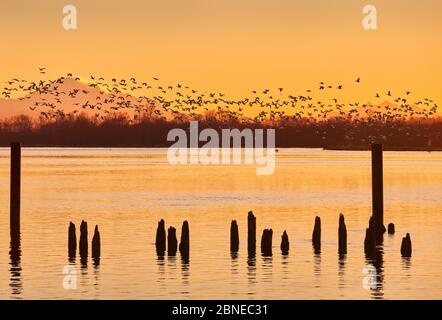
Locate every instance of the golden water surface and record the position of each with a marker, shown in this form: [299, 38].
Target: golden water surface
[126, 192]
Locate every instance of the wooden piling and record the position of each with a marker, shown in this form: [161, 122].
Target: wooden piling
[160, 241]
[285, 245]
[316, 236]
[391, 228]
[171, 241]
[184, 242]
[370, 239]
[251, 234]
[342, 235]
[377, 188]
[15, 184]
[266, 242]
[234, 237]
[72, 241]
[83, 246]
[96, 244]
[406, 246]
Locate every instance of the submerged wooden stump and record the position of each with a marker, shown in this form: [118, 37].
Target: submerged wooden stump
[406, 246]
[391, 228]
[266, 242]
[251, 234]
[234, 237]
[96, 244]
[370, 239]
[185, 243]
[160, 241]
[316, 236]
[172, 241]
[285, 245]
[342, 235]
[83, 240]
[72, 241]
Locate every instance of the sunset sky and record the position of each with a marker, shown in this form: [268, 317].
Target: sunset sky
[230, 45]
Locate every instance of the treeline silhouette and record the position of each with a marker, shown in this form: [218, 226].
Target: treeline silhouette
[118, 130]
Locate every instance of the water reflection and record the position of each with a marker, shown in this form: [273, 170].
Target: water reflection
[317, 269]
[341, 270]
[285, 265]
[171, 267]
[234, 263]
[16, 283]
[185, 266]
[267, 268]
[406, 266]
[251, 270]
[161, 263]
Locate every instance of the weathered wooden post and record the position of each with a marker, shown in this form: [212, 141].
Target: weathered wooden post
[96, 244]
[391, 228]
[160, 241]
[72, 241]
[266, 242]
[83, 240]
[342, 235]
[285, 245]
[377, 188]
[406, 246]
[15, 190]
[316, 236]
[370, 239]
[251, 234]
[234, 237]
[184, 242]
[172, 241]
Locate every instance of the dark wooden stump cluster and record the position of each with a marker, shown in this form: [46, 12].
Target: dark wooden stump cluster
[266, 239]
[172, 241]
[83, 243]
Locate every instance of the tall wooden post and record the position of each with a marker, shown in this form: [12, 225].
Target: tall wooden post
[251, 234]
[160, 241]
[185, 242]
[234, 237]
[15, 189]
[377, 188]
[316, 236]
[72, 241]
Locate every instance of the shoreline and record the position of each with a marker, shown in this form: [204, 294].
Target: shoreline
[332, 148]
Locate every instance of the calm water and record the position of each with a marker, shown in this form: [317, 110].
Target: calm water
[126, 191]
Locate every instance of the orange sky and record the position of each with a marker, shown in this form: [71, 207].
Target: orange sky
[230, 45]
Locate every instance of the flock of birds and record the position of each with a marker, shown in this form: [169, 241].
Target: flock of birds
[180, 102]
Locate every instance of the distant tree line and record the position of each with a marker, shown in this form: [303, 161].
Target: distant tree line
[119, 131]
